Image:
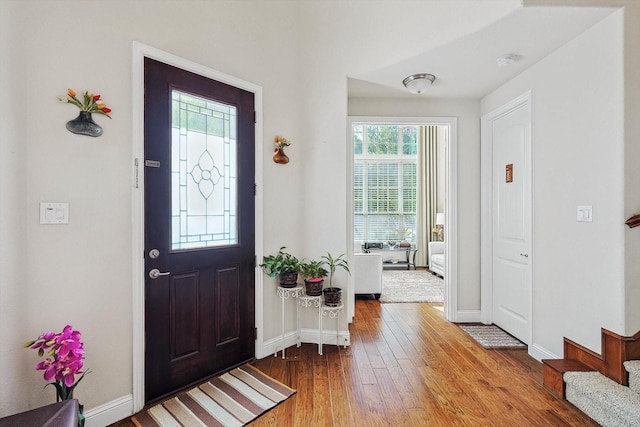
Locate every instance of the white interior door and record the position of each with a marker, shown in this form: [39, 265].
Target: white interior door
[511, 224]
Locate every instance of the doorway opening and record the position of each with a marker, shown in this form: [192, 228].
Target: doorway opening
[402, 174]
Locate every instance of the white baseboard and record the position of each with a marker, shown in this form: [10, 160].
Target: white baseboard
[276, 344]
[467, 316]
[110, 412]
[328, 337]
[538, 352]
[306, 336]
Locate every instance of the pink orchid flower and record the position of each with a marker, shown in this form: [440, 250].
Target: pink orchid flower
[65, 352]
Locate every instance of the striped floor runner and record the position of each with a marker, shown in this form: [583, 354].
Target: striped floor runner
[232, 399]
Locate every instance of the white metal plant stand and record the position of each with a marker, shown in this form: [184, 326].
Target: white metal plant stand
[332, 313]
[311, 301]
[284, 294]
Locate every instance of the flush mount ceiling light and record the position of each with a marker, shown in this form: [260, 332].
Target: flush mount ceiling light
[506, 59]
[418, 83]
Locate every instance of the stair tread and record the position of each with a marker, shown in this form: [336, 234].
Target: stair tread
[601, 398]
[553, 371]
[632, 365]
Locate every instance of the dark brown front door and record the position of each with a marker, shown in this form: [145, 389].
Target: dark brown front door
[199, 227]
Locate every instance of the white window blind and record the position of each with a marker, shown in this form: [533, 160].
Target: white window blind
[384, 182]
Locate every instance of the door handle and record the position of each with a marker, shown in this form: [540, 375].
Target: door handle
[155, 273]
[524, 255]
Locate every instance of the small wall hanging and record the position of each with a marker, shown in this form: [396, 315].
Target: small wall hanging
[84, 124]
[280, 156]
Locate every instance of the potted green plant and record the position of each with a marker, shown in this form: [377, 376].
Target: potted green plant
[313, 273]
[282, 264]
[333, 295]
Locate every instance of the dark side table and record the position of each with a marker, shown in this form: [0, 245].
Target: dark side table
[60, 414]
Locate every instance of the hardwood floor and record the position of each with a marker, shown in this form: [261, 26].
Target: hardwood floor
[407, 366]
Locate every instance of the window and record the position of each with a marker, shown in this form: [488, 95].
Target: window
[203, 173]
[384, 182]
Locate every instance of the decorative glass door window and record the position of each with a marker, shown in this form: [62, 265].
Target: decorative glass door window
[203, 172]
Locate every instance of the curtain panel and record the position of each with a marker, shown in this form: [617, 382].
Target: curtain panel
[427, 188]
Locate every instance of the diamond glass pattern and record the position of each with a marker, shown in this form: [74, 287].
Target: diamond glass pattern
[203, 173]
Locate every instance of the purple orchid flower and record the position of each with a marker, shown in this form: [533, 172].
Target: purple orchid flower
[65, 352]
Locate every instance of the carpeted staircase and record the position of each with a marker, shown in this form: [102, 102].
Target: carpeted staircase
[604, 386]
[604, 400]
[633, 368]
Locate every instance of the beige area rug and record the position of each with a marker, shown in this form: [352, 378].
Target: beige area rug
[232, 399]
[411, 286]
[492, 337]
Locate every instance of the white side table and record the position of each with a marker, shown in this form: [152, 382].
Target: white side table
[332, 313]
[284, 294]
[311, 301]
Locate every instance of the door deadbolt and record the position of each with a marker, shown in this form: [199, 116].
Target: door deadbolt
[154, 253]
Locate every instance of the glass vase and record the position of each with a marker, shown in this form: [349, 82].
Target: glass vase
[66, 393]
[81, 417]
[84, 125]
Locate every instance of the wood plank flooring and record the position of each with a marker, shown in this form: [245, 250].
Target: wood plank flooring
[407, 366]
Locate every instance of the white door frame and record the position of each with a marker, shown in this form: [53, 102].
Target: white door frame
[451, 203]
[139, 52]
[486, 221]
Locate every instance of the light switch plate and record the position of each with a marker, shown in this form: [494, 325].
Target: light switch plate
[54, 213]
[585, 214]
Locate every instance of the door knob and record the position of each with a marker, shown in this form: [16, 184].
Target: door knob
[155, 273]
[524, 255]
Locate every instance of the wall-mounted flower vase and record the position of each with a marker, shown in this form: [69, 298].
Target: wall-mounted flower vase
[90, 103]
[280, 143]
[84, 125]
[280, 157]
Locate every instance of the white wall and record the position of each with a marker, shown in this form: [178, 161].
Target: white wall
[631, 169]
[13, 301]
[468, 114]
[578, 147]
